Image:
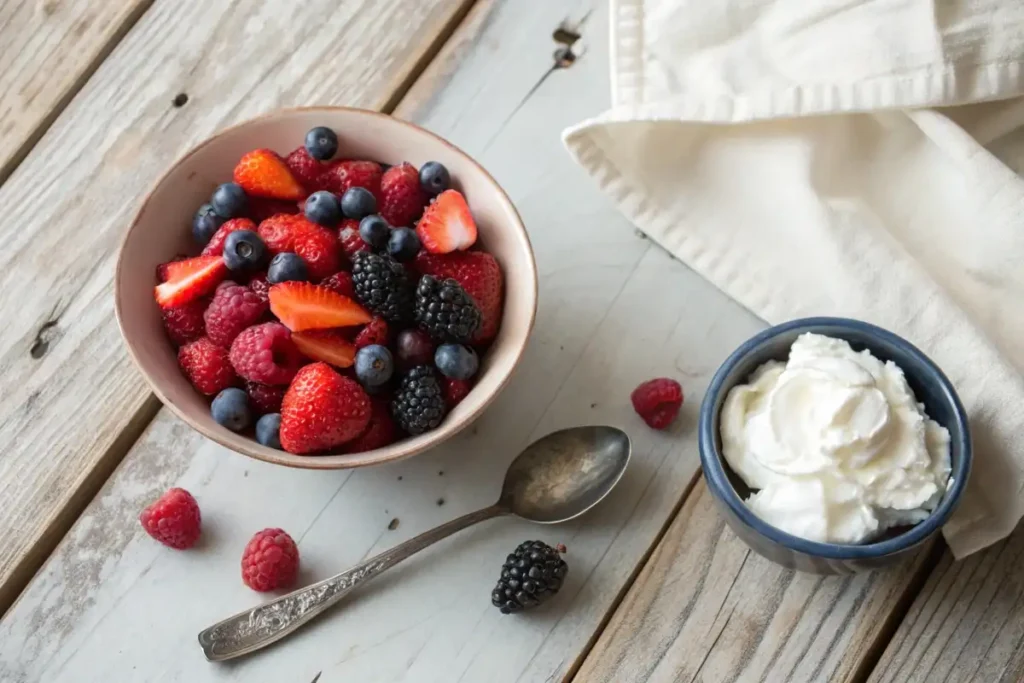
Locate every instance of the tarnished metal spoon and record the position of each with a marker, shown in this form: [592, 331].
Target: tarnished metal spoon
[557, 478]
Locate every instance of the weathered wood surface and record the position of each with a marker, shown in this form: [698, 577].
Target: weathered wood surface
[492, 88]
[48, 48]
[966, 625]
[71, 403]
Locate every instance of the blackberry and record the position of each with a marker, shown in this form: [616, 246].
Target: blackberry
[418, 405]
[531, 574]
[445, 310]
[382, 285]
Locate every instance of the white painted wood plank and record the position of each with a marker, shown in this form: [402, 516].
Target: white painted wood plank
[71, 403]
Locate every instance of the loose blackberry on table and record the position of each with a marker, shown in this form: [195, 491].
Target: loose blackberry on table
[532, 574]
[419, 404]
[445, 310]
[383, 286]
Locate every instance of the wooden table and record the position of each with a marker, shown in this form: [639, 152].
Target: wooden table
[99, 96]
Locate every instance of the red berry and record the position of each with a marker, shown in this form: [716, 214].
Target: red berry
[270, 561]
[329, 346]
[401, 197]
[173, 519]
[375, 332]
[215, 247]
[341, 175]
[264, 397]
[207, 366]
[657, 401]
[479, 274]
[307, 169]
[304, 306]
[260, 286]
[266, 354]
[455, 390]
[447, 224]
[382, 430]
[233, 309]
[260, 209]
[262, 173]
[185, 323]
[322, 410]
[340, 282]
[414, 347]
[189, 280]
[317, 245]
[350, 240]
[163, 269]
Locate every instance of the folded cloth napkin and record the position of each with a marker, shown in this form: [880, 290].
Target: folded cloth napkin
[842, 157]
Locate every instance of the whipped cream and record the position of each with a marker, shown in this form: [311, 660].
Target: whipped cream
[834, 443]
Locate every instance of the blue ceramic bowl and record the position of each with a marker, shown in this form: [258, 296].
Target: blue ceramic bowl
[931, 388]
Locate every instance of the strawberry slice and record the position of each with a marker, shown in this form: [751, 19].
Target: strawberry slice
[330, 346]
[190, 279]
[263, 173]
[447, 224]
[304, 306]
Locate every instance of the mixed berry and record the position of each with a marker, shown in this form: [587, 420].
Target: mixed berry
[334, 305]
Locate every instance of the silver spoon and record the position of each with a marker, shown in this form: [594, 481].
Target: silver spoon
[557, 478]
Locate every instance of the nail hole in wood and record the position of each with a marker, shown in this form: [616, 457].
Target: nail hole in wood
[564, 56]
[44, 336]
[440, 501]
[393, 525]
[180, 100]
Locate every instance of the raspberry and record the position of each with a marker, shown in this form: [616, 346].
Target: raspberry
[401, 197]
[657, 401]
[261, 287]
[207, 366]
[304, 167]
[341, 283]
[233, 309]
[265, 398]
[173, 519]
[381, 432]
[266, 354]
[215, 246]
[375, 332]
[455, 390]
[351, 242]
[185, 323]
[270, 560]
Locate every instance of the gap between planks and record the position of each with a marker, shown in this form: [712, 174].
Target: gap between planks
[92, 481]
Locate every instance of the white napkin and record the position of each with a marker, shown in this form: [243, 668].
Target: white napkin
[828, 157]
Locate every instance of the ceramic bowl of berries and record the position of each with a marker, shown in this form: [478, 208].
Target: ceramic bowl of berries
[326, 288]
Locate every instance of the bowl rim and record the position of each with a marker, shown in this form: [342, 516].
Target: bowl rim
[714, 470]
[403, 449]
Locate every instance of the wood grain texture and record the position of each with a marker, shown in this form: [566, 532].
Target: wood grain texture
[707, 608]
[430, 619]
[48, 48]
[966, 625]
[72, 403]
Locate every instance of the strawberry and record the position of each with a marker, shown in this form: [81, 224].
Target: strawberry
[161, 270]
[304, 306]
[341, 283]
[401, 197]
[351, 242]
[382, 430]
[189, 280]
[317, 245]
[280, 231]
[215, 247]
[322, 410]
[375, 332]
[305, 168]
[206, 366]
[260, 209]
[263, 173]
[447, 224]
[479, 274]
[329, 346]
[341, 175]
[185, 323]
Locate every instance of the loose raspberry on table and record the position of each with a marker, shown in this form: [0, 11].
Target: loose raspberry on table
[233, 309]
[185, 323]
[270, 561]
[266, 354]
[173, 519]
[657, 401]
[207, 366]
[265, 398]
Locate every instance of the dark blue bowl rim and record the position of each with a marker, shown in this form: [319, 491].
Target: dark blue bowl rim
[714, 472]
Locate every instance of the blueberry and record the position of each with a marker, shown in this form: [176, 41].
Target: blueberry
[375, 231]
[434, 178]
[204, 224]
[244, 250]
[231, 409]
[404, 244]
[228, 200]
[322, 207]
[374, 365]
[287, 266]
[268, 430]
[456, 361]
[358, 203]
[321, 143]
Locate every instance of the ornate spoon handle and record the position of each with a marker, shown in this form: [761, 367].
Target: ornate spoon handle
[256, 628]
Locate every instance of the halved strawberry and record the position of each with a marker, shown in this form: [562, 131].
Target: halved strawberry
[330, 346]
[304, 306]
[190, 279]
[447, 224]
[263, 173]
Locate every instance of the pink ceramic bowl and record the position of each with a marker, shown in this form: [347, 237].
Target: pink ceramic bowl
[161, 229]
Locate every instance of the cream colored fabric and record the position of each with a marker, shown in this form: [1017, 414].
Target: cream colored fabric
[827, 157]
